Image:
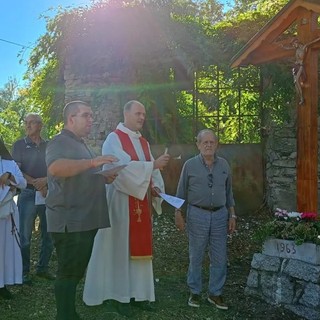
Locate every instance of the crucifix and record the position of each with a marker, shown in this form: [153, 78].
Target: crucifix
[305, 76]
[307, 124]
[138, 211]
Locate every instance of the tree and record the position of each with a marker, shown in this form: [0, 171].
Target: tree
[13, 107]
[151, 42]
[244, 20]
[162, 52]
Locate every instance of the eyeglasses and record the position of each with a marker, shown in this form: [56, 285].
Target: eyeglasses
[210, 180]
[85, 115]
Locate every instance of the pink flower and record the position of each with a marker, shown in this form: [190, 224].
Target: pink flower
[309, 216]
[280, 213]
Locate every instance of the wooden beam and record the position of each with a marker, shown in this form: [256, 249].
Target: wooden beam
[307, 134]
[311, 6]
[275, 27]
[254, 45]
[281, 25]
[267, 53]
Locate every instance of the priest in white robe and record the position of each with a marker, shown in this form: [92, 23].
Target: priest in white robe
[10, 253]
[114, 272]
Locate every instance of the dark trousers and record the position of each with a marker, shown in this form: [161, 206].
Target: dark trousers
[73, 253]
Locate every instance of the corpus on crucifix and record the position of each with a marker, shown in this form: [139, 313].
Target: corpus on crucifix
[298, 70]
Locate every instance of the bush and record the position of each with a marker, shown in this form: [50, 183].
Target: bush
[295, 226]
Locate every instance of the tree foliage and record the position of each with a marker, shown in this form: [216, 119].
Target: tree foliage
[162, 53]
[143, 43]
[276, 93]
[13, 107]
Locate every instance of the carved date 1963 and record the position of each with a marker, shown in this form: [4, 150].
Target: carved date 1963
[289, 248]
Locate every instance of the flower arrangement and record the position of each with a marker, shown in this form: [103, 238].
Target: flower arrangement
[296, 226]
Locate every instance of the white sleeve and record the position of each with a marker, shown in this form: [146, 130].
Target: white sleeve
[21, 182]
[134, 179]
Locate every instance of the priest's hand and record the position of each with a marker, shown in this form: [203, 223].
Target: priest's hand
[161, 162]
[155, 191]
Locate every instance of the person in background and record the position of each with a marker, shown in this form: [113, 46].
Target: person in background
[10, 254]
[76, 202]
[120, 268]
[29, 154]
[206, 185]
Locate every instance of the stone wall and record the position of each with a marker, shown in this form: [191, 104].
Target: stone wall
[287, 281]
[105, 101]
[281, 156]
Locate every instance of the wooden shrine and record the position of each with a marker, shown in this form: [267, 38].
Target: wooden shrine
[273, 43]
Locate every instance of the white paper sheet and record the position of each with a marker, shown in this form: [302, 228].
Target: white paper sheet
[112, 171]
[174, 201]
[39, 198]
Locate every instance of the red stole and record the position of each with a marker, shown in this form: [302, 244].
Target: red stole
[140, 226]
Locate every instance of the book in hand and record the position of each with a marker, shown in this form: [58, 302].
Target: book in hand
[112, 171]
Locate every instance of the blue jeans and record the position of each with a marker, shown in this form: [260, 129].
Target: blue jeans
[28, 212]
[207, 229]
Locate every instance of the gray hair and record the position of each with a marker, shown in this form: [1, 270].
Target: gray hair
[203, 132]
[34, 115]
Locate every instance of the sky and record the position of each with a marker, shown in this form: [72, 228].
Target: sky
[20, 27]
[21, 24]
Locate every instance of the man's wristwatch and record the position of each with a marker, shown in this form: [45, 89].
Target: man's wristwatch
[9, 174]
[233, 216]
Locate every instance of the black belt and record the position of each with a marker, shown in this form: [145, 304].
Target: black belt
[208, 208]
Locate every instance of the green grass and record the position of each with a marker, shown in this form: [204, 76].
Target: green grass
[37, 302]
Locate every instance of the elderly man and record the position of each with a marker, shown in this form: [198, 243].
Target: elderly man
[29, 154]
[121, 264]
[76, 202]
[205, 183]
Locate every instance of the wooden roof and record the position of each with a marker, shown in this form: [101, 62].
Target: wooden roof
[264, 46]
